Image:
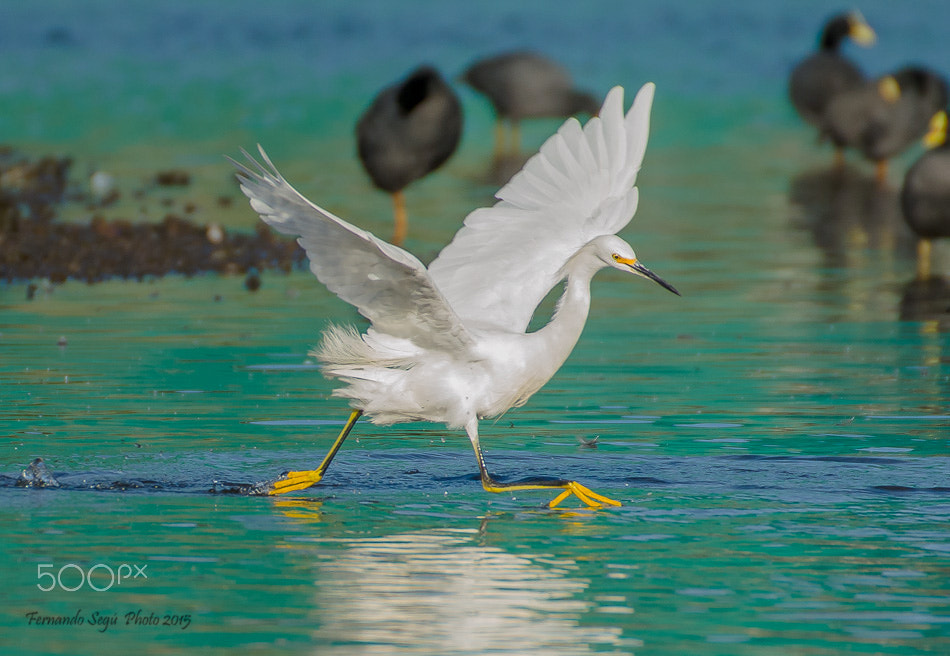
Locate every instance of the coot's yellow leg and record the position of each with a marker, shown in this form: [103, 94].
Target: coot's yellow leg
[923, 259]
[839, 161]
[400, 218]
[500, 137]
[515, 135]
[880, 171]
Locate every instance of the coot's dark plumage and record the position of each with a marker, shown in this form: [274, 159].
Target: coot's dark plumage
[925, 198]
[817, 78]
[526, 85]
[881, 119]
[409, 130]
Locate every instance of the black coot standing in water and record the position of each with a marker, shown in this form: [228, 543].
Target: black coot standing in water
[883, 118]
[409, 130]
[523, 85]
[817, 78]
[925, 198]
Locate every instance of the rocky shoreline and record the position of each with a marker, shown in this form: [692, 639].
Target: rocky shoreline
[35, 245]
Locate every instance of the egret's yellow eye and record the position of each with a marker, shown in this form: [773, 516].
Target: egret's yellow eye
[616, 257]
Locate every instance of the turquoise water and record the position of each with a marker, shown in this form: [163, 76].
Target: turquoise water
[778, 436]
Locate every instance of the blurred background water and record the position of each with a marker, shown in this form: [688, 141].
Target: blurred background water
[778, 435]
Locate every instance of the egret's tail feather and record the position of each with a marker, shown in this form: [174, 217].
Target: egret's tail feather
[345, 347]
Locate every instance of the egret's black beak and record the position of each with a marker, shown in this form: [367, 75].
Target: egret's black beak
[639, 269]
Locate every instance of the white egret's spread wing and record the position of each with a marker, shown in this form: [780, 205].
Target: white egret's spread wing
[386, 284]
[579, 186]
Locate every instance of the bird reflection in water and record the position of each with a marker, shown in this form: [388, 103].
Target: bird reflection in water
[850, 215]
[444, 591]
[927, 300]
[848, 212]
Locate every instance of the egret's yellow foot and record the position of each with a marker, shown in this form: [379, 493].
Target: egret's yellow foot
[592, 499]
[589, 497]
[293, 481]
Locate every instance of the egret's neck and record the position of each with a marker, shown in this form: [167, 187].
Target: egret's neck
[557, 339]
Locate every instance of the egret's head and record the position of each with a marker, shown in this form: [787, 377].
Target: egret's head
[617, 253]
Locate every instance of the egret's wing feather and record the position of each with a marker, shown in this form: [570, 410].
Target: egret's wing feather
[386, 284]
[579, 186]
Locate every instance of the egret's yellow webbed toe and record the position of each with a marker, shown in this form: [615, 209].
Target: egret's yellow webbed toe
[294, 481]
[589, 497]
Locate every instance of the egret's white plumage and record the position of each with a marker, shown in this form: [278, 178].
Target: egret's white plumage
[448, 344]
[579, 186]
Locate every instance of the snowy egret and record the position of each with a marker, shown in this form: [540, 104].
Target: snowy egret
[925, 197]
[881, 119]
[409, 130]
[815, 80]
[448, 344]
[525, 85]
